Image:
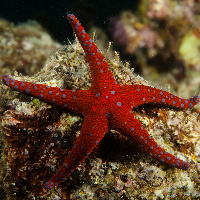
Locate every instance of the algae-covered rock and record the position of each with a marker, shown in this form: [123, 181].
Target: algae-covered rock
[24, 47]
[37, 138]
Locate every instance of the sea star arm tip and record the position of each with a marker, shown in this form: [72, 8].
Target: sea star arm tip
[69, 99]
[139, 136]
[93, 130]
[141, 94]
[99, 68]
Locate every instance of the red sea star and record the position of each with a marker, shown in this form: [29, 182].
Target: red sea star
[105, 105]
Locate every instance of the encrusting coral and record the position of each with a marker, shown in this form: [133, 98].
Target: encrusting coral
[38, 137]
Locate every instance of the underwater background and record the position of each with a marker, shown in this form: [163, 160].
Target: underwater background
[53, 14]
[150, 42]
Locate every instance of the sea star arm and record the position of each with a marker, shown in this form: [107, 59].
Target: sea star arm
[101, 75]
[126, 123]
[69, 99]
[93, 130]
[140, 94]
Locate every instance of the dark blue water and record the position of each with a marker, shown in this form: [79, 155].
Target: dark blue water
[52, 14]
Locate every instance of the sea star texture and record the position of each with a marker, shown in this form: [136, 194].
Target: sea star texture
[106, 105]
